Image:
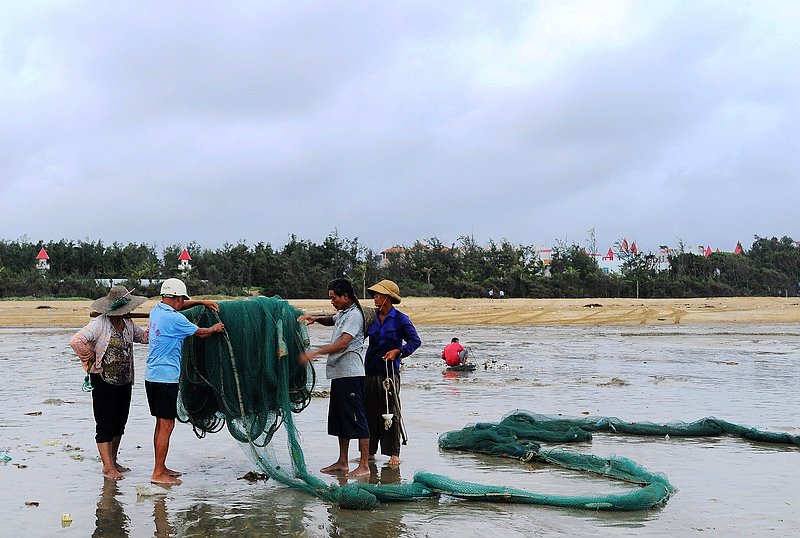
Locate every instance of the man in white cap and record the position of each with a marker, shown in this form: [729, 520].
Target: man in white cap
[168, 329]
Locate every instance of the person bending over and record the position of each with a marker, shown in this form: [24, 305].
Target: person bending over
[455, 355]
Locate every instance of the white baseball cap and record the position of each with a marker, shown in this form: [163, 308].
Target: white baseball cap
[174, 287]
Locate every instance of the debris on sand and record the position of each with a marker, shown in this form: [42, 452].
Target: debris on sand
[151, 491]
[253, 476]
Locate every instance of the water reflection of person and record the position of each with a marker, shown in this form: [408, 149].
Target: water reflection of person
[352, 523]
[163, 528]
[390, 474]
[110, 518]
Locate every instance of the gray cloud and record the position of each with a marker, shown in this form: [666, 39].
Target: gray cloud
[531, 122]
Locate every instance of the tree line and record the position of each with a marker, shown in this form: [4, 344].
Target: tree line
[303, 268]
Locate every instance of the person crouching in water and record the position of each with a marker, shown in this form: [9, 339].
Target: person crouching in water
[454, 354]
[347, 418]
[386, 347]
[105, 347]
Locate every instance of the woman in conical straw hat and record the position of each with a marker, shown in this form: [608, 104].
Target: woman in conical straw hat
[105, 347]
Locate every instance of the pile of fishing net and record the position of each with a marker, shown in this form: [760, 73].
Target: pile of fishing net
[251, 382]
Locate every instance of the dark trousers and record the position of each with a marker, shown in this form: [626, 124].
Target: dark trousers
[375, 400]
[111, 404]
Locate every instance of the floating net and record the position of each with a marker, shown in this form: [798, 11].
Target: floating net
[251, 382]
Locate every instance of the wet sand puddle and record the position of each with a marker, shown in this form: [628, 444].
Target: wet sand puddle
[743, 374]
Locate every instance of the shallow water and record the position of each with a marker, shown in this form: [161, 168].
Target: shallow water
[743, 374]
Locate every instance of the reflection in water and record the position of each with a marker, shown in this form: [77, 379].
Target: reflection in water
[351, 522]
[386, 522]
[110, 517]
[163, 528]
[390, 474]
[644, 374]
[275, 512]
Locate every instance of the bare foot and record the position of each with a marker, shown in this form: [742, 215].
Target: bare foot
[370, 458]
[164, 479]
[358, 471]
[335, 468]
[394, 460]
[173, 473]
[121, 468]
[113, 474]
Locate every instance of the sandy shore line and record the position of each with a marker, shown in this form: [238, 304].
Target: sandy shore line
[444, 311]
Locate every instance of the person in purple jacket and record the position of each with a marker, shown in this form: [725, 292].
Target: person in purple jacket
[391, 337]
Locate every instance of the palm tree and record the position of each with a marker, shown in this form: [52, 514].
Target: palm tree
[428, 271]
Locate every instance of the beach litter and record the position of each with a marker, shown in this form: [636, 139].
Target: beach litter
[55, 401]
[151, 491]
[252, 476]
[66, 520]
[34, 413]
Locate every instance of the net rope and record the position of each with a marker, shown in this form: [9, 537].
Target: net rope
[250, 381]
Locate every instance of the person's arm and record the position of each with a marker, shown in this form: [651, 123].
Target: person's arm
[83, 343]
[204, 332]
[410, 336]
[322, 320]
[339, 345]
[208, 304]
[141, 336]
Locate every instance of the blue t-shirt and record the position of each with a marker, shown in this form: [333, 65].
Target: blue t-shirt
[168, 328]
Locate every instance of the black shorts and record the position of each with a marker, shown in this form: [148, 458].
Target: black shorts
[110, 404]
[163, 399]
[346, 415]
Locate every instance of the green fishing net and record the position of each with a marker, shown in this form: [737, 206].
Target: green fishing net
[250, 381]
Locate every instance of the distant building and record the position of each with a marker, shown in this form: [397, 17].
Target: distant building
[611, 264]
[183, 261]
[43, 260]
[397, 252]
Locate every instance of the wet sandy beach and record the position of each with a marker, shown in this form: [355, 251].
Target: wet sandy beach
[745, 373]
[468, 312]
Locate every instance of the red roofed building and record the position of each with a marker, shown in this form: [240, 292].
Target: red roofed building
[183, 261]
[43, 260]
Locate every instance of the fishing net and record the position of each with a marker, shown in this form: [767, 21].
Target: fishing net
[251, 382]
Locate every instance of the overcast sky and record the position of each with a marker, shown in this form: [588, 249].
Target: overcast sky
[168, 122]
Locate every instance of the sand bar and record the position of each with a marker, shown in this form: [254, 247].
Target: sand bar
[464, 312]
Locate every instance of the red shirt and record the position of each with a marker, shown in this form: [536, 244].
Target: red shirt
[450, 354]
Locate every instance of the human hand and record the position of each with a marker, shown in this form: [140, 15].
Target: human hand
[391, 355]
[305, 357]
[212, 305]
[305, 317]
[218, 327]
